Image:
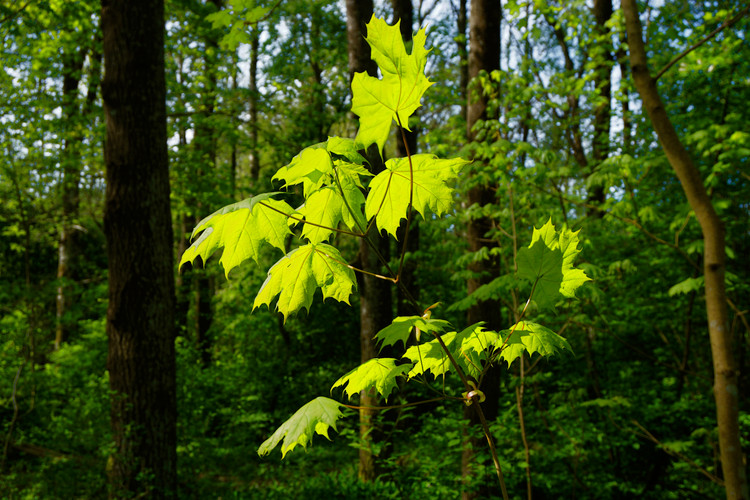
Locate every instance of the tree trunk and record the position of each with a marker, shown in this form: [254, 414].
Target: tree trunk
[71, 173]
[463, 55]
[253, 103]
[403, 11]
[138, 229]
[375, 294]
[484, 54]
[602, 112]
[725, 370]
[68, 255]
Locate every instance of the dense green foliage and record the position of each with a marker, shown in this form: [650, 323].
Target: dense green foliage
[628, 414]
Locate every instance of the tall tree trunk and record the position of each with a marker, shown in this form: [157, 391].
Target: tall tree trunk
[484, 54]
[603, 82]
[463, 54]
[253, 103]
[138, 229]
[726, 391]
[404, 11]
[375, 294]
[71, 173]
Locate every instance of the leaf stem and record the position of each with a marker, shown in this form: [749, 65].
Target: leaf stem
[298, 219]
[411, 197]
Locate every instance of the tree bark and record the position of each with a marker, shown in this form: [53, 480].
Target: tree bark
[253, 103]
[602, 112]
[71, 173]
[714, 260]
[403, 11]
[138, 229]
[375, 294]
[484, 55]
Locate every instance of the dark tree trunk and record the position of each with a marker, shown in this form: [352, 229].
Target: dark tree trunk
[71, 172]
[603, 82]
[463, 55]
[375, 294]
[253, 103]
[484, 55]
[404, 11]
[726, 392]
[138, 228]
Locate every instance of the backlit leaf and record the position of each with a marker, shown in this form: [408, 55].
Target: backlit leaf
[316, 417]
[296, 276]
[401, 327]
[379, 102]
[548, 263]
[379, 373]
[241, 229]
[388, 198]
[430, 356]
[533, 338]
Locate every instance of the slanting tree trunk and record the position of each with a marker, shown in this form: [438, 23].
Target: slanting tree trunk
[375, 294]
[484, 55]
[714, 260]
[138, 229]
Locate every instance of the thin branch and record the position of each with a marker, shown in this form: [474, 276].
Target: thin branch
[646, 434]
[14, 14]
[298, 219]
[726, 24]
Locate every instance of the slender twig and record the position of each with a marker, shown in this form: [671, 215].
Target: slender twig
[726, 24]
[493, 450]
[299, 219]
[14, 14]
[395, 407]
[646, 434]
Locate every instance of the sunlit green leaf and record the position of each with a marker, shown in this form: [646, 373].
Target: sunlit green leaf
[533, 338]
[379, 102]
[316, 417]
[390, 190]
[401, 327]
[241, 229]
[379, 373]
[296, 276]
[548, 263]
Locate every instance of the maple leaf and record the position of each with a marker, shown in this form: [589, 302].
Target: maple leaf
[379, 102]
[316, 417]
[401, 327]
[548, 264]
[475, 346]
[533, 338]
[313, 166]
[296, 276]
[388, 199]
[430, 356]
[242, 229]
[379, 373]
